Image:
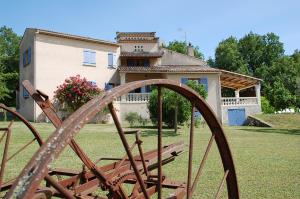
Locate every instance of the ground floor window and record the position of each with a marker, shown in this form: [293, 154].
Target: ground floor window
[202, 80]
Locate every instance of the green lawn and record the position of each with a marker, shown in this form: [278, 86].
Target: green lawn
[267, 160]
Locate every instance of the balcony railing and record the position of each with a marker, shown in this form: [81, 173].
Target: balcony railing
[234, 101]
[137, 97]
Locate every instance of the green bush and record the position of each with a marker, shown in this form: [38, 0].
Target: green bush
[134, 119]
[142, 121]
[266, 106]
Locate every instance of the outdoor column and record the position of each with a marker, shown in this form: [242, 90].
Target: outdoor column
[257, 93]
[237, 93]
[123, 81]
[237, 96]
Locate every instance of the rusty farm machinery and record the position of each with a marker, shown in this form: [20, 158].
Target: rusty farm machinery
[137, 175]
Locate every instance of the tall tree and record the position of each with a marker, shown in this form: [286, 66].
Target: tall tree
[9, 65]
[296, 58]
[251, 48]
[228, 57]
[281, 86]
[181, 47]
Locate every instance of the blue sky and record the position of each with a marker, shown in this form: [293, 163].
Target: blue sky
[206, 23]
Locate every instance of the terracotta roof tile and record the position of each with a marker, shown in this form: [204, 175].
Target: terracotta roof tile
[169, 68]
[141, 54]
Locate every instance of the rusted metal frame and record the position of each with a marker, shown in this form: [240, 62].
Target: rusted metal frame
[59, 187]
[151, 157]
[142, 155]
[218, 194]
[100, 159]
[49, 111]
[159, 141]
[21, 149]
[180, 193]
[126, 146]
[5, 152]
[123, 159]
[203, 161]
[72, 125]
[139, 143]
[150, 190]
[191, 147]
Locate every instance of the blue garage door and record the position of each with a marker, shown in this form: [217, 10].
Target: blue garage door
[236, 117]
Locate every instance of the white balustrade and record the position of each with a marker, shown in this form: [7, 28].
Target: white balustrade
[234, 101]
[138, 97]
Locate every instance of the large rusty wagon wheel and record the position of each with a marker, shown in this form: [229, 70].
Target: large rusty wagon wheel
[145, 184]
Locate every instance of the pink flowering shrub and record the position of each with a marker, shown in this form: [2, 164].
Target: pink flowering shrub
[75, 92]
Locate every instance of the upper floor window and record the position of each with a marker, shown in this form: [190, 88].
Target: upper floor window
[112, 60]
[138, 48]
[138, 62]
[27, 57]
[89, 57]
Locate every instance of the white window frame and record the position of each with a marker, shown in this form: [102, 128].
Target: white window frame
[90, 52]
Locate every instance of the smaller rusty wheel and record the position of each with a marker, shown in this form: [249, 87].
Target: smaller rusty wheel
[19, 140]
[134, 172]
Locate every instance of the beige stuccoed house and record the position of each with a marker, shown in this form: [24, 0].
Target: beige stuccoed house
[48, 58]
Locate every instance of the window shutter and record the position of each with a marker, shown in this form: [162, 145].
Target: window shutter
[25, 93]
[184, 80]
[114, 60]
[24, 59]
[204, 82]
[92, 57]
[89, 57]
[110, 60]
[86, 57]
[29, 55]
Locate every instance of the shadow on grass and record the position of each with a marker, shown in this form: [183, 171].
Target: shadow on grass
[165, 133]
[272, 130]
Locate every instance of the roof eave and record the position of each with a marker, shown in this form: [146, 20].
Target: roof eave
[75, 37]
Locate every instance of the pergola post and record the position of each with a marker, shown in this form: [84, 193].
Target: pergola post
[237, 96]
[237, 93]
[257, 93]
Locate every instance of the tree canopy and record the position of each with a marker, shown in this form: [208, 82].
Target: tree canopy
[181, 47]
[9, 65]
[262, 56]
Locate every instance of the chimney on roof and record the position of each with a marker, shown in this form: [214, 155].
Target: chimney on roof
[190, 50]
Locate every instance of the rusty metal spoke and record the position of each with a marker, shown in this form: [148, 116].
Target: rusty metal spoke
[5, 152]
[126, 146]
[159, 142]
[21, 149]
[219, 192]
[191, 147]
[199, 172]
